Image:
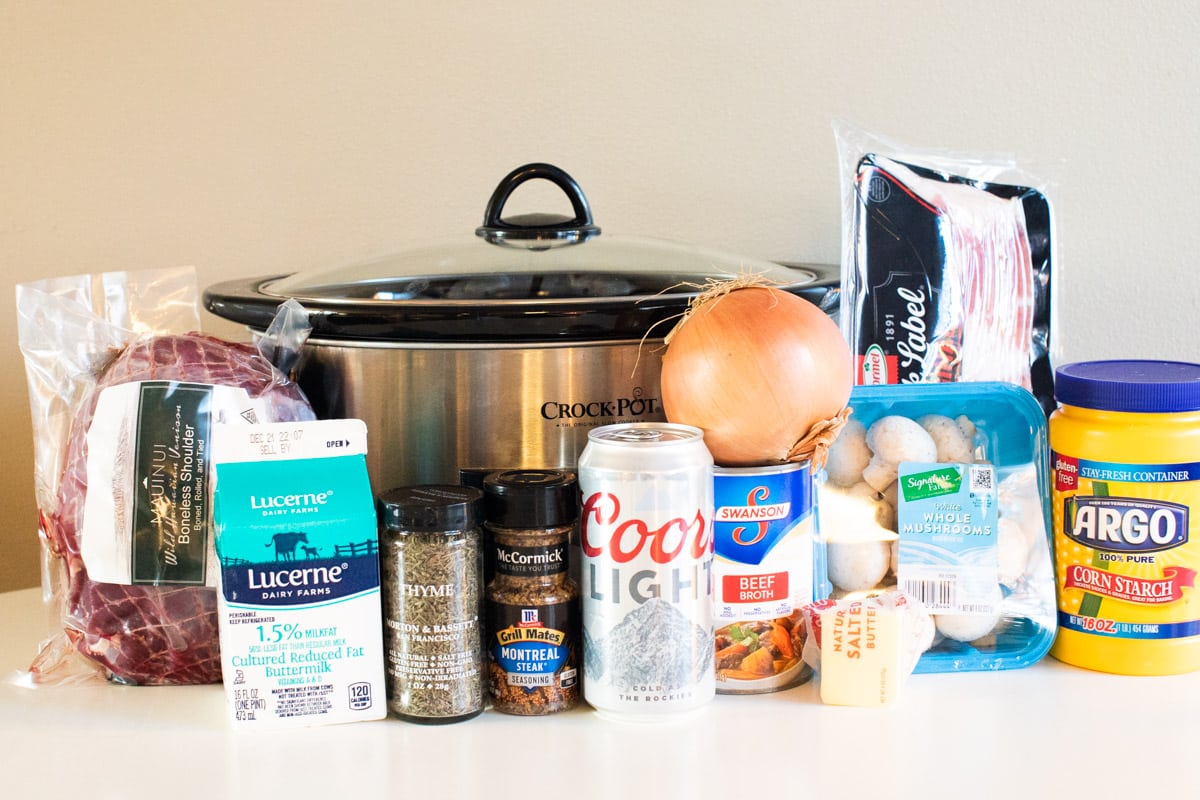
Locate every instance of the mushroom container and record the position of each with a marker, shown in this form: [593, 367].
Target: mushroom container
[942, 490]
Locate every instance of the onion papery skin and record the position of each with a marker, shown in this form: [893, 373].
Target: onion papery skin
[755, 368]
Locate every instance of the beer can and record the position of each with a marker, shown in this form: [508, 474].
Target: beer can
[647, 548]
[764, 529]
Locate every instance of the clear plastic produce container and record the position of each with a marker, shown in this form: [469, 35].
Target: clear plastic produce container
[1006, 525]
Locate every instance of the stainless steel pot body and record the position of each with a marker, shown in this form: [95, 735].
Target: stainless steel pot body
[502, 351]
[435, 410]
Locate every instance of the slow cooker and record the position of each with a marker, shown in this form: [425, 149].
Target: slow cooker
[502, 350]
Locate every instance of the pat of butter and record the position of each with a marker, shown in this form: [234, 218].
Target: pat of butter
[860, 655]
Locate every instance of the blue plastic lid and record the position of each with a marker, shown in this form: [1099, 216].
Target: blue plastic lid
[1147, 387]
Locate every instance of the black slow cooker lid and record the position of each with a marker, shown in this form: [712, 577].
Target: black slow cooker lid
[525, 279]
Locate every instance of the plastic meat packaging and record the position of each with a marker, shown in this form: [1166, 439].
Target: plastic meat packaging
[124, 394]
[941, 491]
[946, 267]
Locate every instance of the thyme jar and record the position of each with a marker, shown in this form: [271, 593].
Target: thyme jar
[430, 544]
[531, 603]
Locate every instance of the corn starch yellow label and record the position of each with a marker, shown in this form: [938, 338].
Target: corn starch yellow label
[1125, 552]
[1125, 448]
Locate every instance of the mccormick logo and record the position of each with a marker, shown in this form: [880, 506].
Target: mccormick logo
[1124, 525]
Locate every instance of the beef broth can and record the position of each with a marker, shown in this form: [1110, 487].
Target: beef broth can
[647, 551]
[764, 569]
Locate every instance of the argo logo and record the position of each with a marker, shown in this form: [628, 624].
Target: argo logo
[1125, 525]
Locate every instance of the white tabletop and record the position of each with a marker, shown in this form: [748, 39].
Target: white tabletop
[1034, 732]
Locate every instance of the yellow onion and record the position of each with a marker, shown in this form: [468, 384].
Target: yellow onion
[765, 374]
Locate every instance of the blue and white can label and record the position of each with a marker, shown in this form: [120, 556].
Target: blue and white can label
[764, 540]
[765, 551]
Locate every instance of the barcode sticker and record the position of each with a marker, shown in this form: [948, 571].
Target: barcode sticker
[936, 593]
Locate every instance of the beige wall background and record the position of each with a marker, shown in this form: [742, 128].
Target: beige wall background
[247, 138]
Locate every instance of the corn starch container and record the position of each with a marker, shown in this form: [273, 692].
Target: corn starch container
[1125, 445]
[298, 601]
[763, 568]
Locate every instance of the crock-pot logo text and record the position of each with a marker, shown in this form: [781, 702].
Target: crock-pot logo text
[634, 407]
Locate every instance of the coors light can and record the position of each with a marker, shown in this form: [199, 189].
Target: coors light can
[647, 541]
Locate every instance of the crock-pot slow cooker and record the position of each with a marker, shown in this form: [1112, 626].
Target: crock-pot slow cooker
[502, 351]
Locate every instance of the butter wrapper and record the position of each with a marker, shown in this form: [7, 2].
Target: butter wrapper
[865, 647]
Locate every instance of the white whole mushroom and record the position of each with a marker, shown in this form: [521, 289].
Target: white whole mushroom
[856, 565]
[848, 455]
[883, 512]
[1013, 549]
[894, 439]
[969, 627]
[955, 440]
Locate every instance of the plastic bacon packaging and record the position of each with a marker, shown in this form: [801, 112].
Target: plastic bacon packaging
[946, 267]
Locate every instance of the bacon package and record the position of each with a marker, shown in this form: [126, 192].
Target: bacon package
[946, 268]
[124, 396]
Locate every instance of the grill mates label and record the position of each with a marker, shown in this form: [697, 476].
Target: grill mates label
[532, 645]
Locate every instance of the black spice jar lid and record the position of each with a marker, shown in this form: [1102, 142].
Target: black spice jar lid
[431, 508]
[531, 498]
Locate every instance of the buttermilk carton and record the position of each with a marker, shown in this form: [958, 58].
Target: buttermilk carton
[299, 602]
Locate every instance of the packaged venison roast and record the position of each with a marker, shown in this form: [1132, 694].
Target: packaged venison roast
[124, 394]
[947, 263]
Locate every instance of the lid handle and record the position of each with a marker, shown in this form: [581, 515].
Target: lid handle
[537, 231]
